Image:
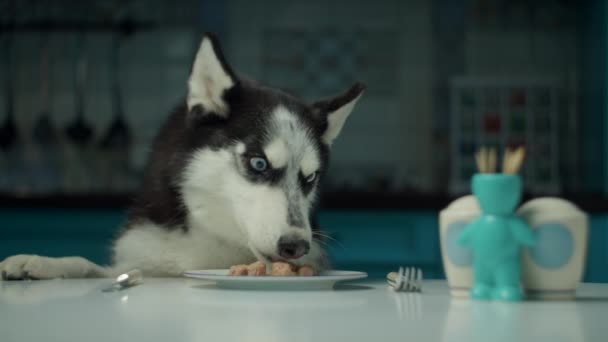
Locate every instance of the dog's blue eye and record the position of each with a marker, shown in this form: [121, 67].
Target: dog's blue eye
[311, 178]
[258, 164]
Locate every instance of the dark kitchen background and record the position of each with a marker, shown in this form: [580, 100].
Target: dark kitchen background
[86, 85]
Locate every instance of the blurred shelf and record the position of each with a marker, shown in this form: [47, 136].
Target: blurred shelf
[331, 201]
[90, 200]
[126, 26]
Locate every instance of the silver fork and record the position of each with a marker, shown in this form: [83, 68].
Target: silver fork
[408, 279]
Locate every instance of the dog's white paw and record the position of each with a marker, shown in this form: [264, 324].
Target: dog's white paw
[25, 266]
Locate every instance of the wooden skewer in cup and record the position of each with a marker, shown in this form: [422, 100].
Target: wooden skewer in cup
[481, 160]
[491, 163]
[513, 160]
[486, 160]
[505, 160]
[519, 159]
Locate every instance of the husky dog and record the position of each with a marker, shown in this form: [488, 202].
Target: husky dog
[233, 175]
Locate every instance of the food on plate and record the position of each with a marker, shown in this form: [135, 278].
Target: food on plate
[258, 268]
[239, 270]
[281, 268]
[278, 268]
[306, 271]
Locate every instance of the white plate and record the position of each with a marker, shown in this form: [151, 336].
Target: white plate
[324, 281]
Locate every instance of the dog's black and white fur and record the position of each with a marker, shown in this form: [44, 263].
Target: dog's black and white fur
[234, 174]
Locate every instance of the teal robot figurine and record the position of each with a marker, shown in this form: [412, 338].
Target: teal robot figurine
[496, 237]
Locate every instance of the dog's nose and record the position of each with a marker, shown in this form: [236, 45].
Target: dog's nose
[290, 248]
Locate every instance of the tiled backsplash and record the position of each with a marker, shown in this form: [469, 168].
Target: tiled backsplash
[319, 48]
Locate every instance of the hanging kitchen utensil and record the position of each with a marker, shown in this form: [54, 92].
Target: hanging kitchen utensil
[9, 134]
[45, 164]
[115, 144]
[11, 157]
[8, 129]
[79, 132]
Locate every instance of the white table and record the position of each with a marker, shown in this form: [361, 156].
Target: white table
[190, 310]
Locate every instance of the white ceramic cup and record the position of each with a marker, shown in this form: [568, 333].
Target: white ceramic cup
[457, 260]
[553, 268]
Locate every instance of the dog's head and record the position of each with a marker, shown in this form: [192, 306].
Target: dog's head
[257, 156]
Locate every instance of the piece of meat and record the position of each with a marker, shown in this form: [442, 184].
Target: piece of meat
[238, 270]
[258, 268]
[281, 268]
[306, 271]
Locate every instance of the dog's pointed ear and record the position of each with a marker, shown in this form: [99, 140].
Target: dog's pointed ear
[210, 79]
[333, 112]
